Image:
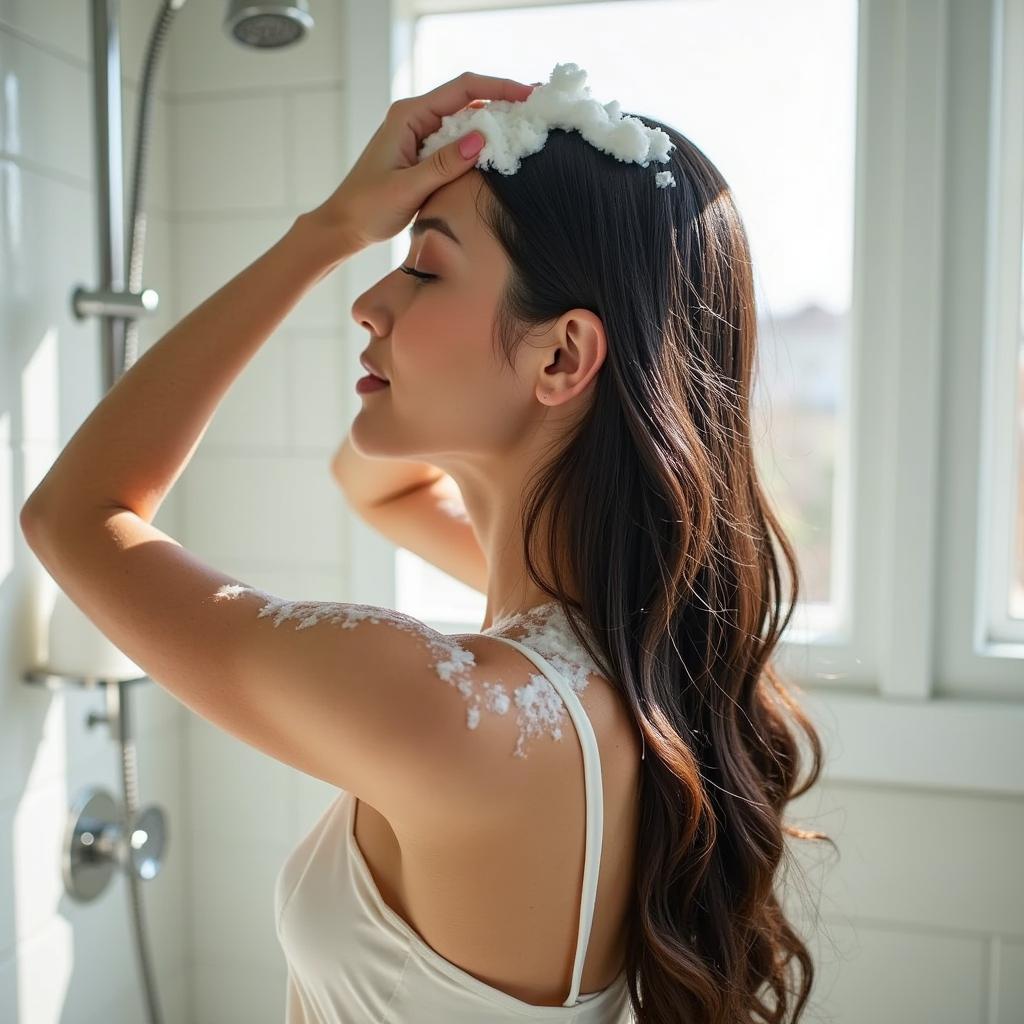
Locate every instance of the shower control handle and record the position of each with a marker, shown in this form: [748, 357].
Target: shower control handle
[97, 843]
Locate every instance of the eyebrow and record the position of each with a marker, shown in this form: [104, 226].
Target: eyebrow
[422, 224]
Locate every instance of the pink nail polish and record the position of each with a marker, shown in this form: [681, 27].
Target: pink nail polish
[471, 145]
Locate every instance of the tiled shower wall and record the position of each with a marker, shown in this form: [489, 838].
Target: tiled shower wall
[61, 959]
[240, 143]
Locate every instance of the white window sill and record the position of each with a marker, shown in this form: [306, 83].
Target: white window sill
[943, 742]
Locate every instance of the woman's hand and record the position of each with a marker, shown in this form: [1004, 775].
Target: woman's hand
[387, 184]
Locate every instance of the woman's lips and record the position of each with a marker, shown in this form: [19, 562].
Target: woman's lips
[371, 383]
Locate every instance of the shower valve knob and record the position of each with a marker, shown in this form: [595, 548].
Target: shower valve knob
[146, 841]
[96, 843]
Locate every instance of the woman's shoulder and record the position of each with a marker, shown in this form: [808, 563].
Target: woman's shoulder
[520, 734]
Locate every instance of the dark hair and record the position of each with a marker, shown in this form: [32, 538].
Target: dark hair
[667, 535]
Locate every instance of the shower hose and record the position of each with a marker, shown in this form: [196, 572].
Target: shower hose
[136, 249]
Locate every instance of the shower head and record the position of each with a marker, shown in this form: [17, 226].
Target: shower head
[266, 24]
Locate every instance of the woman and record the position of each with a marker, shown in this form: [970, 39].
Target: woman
[569, 354]
[601, 447]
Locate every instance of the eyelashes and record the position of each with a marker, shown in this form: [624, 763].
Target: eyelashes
[422, 277]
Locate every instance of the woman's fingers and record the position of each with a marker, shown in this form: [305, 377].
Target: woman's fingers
[459, 93]
[389, 182]
[469, 86]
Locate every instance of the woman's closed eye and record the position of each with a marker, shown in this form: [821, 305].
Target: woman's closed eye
[419, 274]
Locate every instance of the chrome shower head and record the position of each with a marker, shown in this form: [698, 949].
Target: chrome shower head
[265, 24]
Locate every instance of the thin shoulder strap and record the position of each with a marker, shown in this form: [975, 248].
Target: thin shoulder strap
[594, 801]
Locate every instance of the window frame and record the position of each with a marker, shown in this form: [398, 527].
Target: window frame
[996, 634]
[906, 667]
[978, 649]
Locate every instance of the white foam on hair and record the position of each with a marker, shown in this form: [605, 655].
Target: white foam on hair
[517, 129]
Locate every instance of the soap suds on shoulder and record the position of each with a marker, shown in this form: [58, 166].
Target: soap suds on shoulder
[544, 629]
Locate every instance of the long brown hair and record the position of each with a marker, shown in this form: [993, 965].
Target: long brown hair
[668, 537]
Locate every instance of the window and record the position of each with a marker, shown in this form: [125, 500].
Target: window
[999, 619]
[1008, 351]
[724, 75]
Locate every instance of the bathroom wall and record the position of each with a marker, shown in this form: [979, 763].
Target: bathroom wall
[241, 142]
[256, 141]
[60, 959]
[922, 916]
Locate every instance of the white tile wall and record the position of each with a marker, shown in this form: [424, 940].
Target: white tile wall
[905, 922]
[60, 959]
[211, 249]
[922, 917]
[947, 837]
[229, 157]
[208, 63]
[885, 973]
[276, 508]
[229, 991]
[257, 140]
[1007, 972]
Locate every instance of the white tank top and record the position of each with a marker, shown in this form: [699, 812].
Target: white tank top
[353, 960]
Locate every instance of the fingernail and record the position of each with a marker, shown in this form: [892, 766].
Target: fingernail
[471, 145]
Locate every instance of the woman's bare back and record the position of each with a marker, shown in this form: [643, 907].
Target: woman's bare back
[498, 893]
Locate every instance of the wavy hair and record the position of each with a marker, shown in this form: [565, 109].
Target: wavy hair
[668, 536]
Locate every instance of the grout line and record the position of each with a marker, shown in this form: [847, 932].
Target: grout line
[185, 759]
[73, 60]
[990, 983]
[270, 91]
[48, 171]
[44, 46]
[288, 145]
[231, 215]
[915, 927]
